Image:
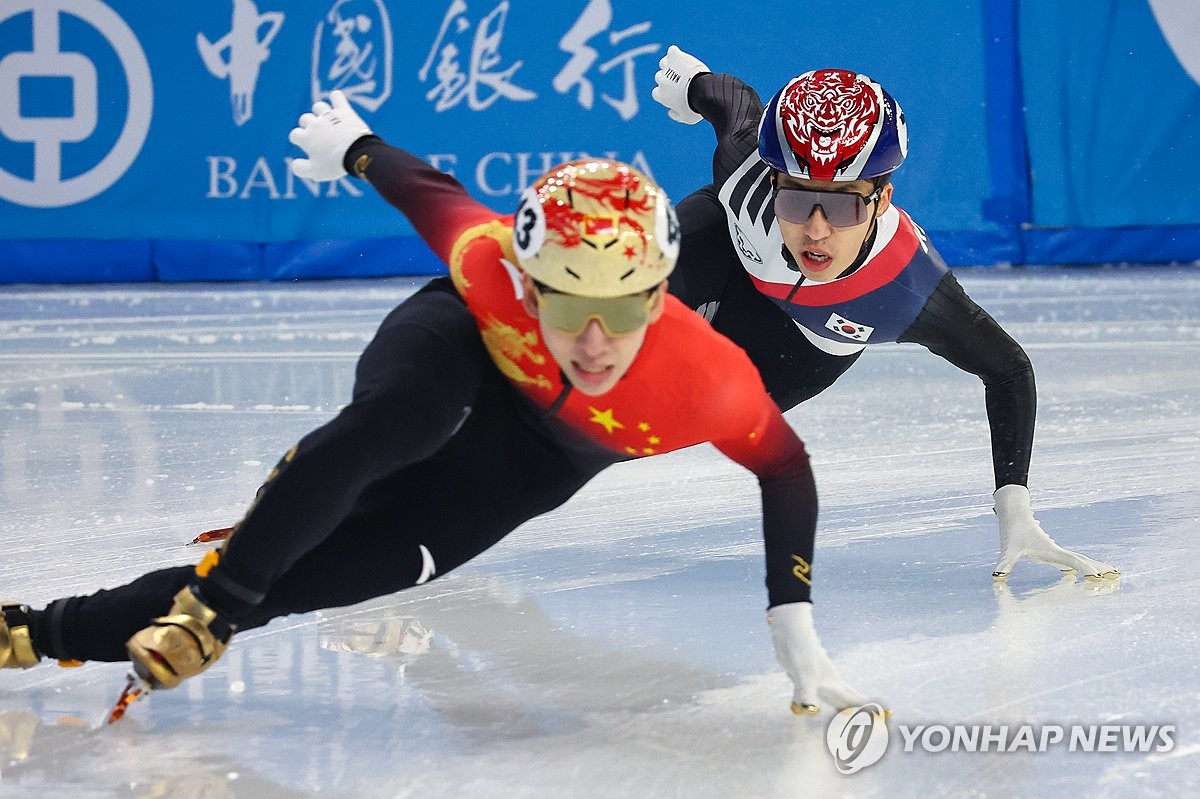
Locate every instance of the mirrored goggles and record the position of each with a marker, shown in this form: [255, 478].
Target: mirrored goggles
[841, 208]
[571, 313]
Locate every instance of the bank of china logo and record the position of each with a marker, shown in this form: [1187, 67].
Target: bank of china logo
[850, 329]
[73, 84]
[352, 51]
[857, 737]
[239, 55]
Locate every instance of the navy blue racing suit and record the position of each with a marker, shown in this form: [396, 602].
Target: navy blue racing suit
[803, 335]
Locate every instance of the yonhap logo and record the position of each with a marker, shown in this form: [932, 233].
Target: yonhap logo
[857, 737]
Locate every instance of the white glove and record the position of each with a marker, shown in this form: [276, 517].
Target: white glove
[325, 135]
[675, 71]
[1020, 534]
[803, 658]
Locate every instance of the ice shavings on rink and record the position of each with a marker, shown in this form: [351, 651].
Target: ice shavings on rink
[617, 647]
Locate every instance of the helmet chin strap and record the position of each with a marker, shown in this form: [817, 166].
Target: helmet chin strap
[868, 243]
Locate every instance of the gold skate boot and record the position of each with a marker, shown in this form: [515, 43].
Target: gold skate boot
[16, 646]
[185, 642]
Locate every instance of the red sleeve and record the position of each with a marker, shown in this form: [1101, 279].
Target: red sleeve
[436, 204]
[766, 443]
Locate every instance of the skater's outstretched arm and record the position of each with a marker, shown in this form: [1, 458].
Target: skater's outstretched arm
[691, 92]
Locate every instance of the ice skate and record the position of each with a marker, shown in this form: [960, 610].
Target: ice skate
[185, 642]
[16, 645]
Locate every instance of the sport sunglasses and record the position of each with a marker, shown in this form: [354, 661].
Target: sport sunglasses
[841, 208]
[571, 313]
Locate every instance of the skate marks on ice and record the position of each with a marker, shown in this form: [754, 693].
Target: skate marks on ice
[543, 667]
[476, 689]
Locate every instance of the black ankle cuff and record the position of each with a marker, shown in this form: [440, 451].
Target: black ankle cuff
[46, 630]
[54, 614]
[227, 597]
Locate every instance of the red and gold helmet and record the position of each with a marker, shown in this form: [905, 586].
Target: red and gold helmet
[596, 228]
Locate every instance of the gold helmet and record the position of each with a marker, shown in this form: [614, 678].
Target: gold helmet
[596, 228]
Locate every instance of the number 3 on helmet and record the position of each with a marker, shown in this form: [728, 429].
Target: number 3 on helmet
[833, 125]
[596, 229]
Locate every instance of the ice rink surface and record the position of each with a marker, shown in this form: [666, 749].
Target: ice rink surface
[618, 647]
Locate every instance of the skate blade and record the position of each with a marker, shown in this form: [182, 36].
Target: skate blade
[209, 536]
[134, 690]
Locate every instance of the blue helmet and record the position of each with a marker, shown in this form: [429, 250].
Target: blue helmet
[835, 125]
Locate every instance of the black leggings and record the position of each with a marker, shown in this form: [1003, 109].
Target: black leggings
[497, 471]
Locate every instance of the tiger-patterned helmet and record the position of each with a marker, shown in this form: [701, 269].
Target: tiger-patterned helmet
[833, 125]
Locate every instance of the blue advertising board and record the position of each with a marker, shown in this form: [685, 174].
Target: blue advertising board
[1113, 120]
[144, 141]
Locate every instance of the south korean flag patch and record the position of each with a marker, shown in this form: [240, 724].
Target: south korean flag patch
[851, 330]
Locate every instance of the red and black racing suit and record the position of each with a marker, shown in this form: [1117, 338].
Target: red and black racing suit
[460, 428]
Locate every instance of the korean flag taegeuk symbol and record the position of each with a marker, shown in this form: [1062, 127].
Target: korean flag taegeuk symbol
[851, 330]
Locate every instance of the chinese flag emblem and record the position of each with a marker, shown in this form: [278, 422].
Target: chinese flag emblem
[599, 231]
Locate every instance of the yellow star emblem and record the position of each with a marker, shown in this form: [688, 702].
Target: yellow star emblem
[605, 419]
[644, 427]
